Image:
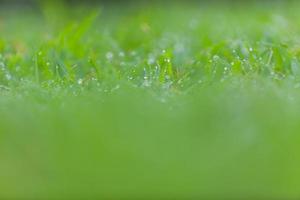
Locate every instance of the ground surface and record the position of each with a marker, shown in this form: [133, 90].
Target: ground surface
[150, 101]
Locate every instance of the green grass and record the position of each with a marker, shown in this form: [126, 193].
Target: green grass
[180, 101]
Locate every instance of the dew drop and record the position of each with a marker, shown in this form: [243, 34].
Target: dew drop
[167, 60]
[121, 54]
[8, 76]
[80, 81]
[109, 55]
[151, 61]
[215, 57]
[133, 53]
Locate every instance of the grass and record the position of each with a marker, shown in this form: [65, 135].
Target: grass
[151, 101]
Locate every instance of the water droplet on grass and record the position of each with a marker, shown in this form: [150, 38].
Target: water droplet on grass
[168, 60]
[133, 53]
[80, 81]
[109, 55]
[215, 57]
[8, 76]
[146, 83]
[2, 65]
[121, 54]
[122, 64]
[151, 61]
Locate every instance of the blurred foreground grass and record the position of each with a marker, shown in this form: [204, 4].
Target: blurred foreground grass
[150, 102]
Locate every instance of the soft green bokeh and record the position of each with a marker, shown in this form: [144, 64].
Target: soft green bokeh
[189, 101]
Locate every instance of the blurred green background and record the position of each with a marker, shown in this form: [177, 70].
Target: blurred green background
[149, 101]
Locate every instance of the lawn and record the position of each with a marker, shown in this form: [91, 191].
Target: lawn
[186, 100]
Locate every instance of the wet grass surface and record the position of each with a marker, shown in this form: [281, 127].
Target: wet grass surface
[181, 101]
